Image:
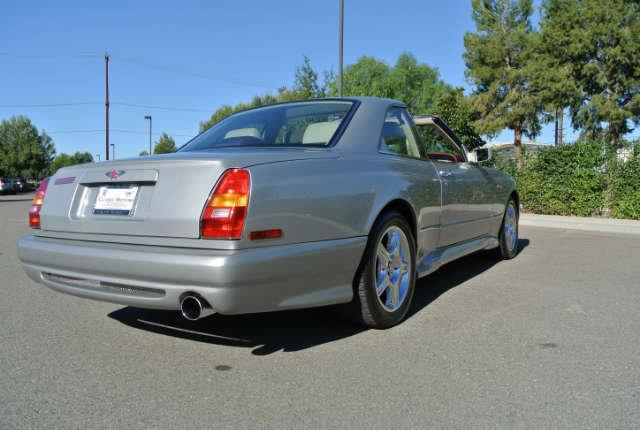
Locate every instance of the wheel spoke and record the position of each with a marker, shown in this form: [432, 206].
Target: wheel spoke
[404, 284]
[404, 268]
[383, 285]
[383, 255]
[393, 294]
[381, 279]
[394, 241]
[401, 252]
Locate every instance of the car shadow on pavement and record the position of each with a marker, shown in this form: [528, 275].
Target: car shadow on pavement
[296, 330]
[429, 288]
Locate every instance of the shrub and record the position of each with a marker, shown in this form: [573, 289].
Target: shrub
[564, 180]
[624, 191]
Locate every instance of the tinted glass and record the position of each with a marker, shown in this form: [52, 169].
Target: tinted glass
[288, 124]
[397, 133]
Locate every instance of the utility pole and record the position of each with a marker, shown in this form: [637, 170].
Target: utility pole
[149, 118]
[106, 105]
[340, 77]
[98, 157]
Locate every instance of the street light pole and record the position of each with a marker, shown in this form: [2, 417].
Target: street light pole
[340, 78]
[113, 151]
[149, 118]
[106, 105]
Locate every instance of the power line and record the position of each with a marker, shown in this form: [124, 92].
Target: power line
[117, 130]
[50, 104]
[46, 105]
[48, 55]
[185, 109]
[187, 72]
[74, 131]
[131, 60]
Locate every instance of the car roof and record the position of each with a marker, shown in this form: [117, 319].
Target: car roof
[367, 100]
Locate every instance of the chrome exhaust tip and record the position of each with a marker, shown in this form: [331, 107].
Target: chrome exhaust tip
[194, 307]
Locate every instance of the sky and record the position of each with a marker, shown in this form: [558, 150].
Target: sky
[178, 62]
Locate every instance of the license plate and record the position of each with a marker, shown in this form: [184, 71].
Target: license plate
[115, 200]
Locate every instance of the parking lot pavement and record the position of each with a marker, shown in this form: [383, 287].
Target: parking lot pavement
[21, 197]
[549, 339]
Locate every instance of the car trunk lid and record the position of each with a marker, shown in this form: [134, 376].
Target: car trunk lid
[161, 196]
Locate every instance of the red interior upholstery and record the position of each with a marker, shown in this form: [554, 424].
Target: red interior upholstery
[444, 156]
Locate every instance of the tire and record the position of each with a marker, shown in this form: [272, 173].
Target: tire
[508, 236]
[394, 273]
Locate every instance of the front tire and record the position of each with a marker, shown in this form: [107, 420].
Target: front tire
[508, 236]
[385, 282]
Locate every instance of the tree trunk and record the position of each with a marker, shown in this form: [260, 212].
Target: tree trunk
[555, 133]
[614, 133]
[560, 128]
[517, 146]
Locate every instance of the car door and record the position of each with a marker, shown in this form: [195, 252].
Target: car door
[400, 139]
[467, 188]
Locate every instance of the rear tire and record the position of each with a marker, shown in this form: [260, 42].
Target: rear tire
[508, 236]
[385, 281]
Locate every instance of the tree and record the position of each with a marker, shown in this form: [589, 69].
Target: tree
[458, 112]
[165, 145]
[306, 81]
[24, 152]
[221, 113]
[305, 86]
[366, 77]
[551, 78]
[416, 84]
[226, 110]
[64, 160]
[143, 153]
[590, 61]
[497, 57]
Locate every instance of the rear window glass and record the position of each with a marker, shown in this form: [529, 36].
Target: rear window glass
[287, 124]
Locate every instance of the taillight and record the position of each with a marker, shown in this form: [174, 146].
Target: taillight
[36, 204]
[223, 218]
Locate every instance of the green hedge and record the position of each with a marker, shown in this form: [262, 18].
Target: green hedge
[578, 179]
[624, 191]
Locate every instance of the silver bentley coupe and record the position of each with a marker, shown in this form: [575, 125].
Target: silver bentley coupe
[293, 205]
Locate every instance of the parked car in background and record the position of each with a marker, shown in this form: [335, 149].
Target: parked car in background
[292, 205]
[18, 185]
[6, 186]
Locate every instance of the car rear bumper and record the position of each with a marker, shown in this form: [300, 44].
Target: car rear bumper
[239, 281]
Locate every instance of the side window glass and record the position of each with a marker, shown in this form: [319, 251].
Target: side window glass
[438, 146]
[397, 134]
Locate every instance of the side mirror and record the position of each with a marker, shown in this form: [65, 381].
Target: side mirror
[480, 155]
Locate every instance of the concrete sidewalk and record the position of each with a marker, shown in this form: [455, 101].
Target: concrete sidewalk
[605, 225]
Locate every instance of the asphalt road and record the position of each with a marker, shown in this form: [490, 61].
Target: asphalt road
[548, 340]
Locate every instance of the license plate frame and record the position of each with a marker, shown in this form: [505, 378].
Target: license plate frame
[116, 200]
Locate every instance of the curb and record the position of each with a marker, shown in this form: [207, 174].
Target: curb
[604, 225]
